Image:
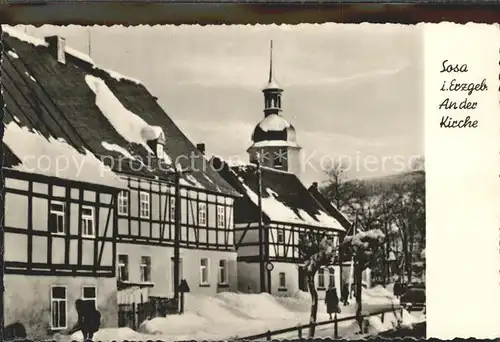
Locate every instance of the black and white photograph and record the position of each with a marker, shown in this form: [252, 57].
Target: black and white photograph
[234, 183]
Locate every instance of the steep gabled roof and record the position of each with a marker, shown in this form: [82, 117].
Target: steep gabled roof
[284, 197]
[329, 207]
[92, 108]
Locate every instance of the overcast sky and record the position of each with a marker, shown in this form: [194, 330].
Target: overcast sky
[353, 91]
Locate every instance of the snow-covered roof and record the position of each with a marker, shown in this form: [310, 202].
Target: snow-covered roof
[330, 207]
[13, 32]
[130, 126]
[284, 197]
[272, 85]
[96, 109]
[274, 129]
[23, 36]
[54, 157]
[274, 122]
[275, 143]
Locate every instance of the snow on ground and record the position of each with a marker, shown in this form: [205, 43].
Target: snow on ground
[54, 157]
[228, 315]
[110, 334]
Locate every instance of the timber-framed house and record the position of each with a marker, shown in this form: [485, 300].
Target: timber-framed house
[60, 211]
[118, 121]
[268, 245]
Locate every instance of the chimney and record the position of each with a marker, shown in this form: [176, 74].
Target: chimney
[57, 46]
[315, 185]
[201, 147]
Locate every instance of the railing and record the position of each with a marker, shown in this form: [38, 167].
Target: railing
[299, 328]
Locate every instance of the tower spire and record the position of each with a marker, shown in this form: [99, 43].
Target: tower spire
[271, 63]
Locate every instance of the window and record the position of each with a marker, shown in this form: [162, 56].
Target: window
[56, 220]
[145, 268]
[123, 198]
[282, 278]
[221, 217]
[279, 157]
[321, 278]
[222, 271]
[202, 214]
[331, 276]
[172, 208]
[58, 307]
[89, 293]
[281, 235]
[204, 264]
[123, 267]
[144, 209]
[88, 221]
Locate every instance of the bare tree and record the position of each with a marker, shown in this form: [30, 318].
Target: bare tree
[339, 190]
[409, 216]
[319, 250]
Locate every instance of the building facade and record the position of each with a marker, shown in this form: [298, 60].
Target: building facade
[63, 97]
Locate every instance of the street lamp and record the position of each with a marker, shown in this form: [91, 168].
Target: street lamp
[178, 171]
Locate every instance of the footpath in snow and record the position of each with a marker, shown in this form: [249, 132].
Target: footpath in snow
[229, 315]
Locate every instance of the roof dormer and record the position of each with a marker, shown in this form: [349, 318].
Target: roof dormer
[155, 139]
[57, 46]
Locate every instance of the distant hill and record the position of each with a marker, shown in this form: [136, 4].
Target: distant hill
[375, 186]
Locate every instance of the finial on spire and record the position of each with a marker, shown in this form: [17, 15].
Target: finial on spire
[271, 63]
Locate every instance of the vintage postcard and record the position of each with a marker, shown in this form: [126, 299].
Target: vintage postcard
[251, 182]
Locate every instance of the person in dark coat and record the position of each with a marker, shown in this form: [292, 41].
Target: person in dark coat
[332, 301]
[92, 320]
[345, 294]
[89, 319]
[79, 322]
[398, 288]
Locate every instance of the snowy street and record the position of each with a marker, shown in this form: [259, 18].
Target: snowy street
[232, 315]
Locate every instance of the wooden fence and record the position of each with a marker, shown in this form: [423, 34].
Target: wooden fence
[268, 335]
[132, 315]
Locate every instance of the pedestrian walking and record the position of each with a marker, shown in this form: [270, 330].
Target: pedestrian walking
[92, 320]
[89, 319]
[345, 294]
[398, 288]
[332, 301]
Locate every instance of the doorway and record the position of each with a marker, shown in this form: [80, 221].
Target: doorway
[302, 280]
[181, 272]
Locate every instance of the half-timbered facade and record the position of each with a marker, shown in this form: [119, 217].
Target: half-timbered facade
[116, 119]
[146, 235]
[59, 223]
[268, 246]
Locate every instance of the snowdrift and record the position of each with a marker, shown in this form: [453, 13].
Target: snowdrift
[110, 334]
[228, 315]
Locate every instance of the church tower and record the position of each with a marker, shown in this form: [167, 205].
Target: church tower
[274, 139]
